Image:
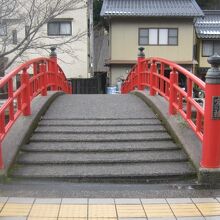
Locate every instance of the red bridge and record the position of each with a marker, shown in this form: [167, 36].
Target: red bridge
[81, 132]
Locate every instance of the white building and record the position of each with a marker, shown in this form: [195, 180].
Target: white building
[68, 30]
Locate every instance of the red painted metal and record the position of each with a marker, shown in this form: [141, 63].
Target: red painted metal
[211, 142]
[36, 77]
[180, 101]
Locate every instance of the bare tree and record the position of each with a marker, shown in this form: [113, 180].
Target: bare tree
[22, 26]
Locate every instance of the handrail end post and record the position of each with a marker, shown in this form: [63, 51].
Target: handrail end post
[140, 67]
[211, 139]
[54, 68]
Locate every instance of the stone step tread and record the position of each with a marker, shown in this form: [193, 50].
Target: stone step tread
[118, 122]
[100, 146]
[147, 170]
[66, 118]
[98, 106]
[99, 129]
[118, 157]
[99, 137]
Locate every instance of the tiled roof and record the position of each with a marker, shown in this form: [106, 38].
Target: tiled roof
[209, 26]
[151, 8]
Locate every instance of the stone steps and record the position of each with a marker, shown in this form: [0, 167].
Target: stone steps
[131, 146]
[130, 173]
[64, 137]
[100, 122]
[100, 129]
[100, 157]
[79, 144]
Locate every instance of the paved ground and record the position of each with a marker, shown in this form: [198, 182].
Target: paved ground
[96, 190]
[110, 209]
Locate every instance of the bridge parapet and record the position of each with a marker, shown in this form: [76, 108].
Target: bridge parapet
[162, 77]
[35, 77]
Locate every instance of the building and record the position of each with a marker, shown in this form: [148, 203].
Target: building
[208, 39]
[69, 31]
[165, 28]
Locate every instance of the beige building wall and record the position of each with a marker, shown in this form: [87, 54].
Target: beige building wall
[124, 41]
[124, 38]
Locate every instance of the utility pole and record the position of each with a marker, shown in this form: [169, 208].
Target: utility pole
[91, 38]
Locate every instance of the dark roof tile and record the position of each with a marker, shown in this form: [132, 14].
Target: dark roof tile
[208, 27]
[151, 8]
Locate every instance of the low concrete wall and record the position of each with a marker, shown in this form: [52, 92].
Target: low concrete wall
[23, 128]
[175, 125]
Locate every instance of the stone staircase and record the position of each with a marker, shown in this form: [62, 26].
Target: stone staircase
[102, 138]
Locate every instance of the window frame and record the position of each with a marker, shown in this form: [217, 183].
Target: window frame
[139, 36]
[158, 36]
[203, 48]
[213, 47]
[177, 36]
[167, 36]
[4, 25]
[59, 22]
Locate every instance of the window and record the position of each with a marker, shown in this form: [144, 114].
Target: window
[163, 36]
[3, 29]
[143, 36]
[210, 47]
[57, 28]
[14, 37]
[173, 37]
[155, 36]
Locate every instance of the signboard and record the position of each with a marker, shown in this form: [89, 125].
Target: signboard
[216, 107]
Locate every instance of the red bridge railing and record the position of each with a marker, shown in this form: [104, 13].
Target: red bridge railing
[36, 77]
[162, 77]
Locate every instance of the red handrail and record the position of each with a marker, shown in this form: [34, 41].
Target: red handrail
[161, 77]
[36, 76]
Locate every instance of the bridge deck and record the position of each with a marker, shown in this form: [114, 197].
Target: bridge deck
[102, 138]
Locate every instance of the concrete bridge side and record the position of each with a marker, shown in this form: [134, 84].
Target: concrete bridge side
[23, 129]
[182, 134]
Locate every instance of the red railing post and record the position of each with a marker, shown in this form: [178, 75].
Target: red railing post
[44, 79]
[1, 158]
[172, 97]
[54, 68]
[153, 69]
[211, 139]
[26, 102]
[140, 67]
[2, 132]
